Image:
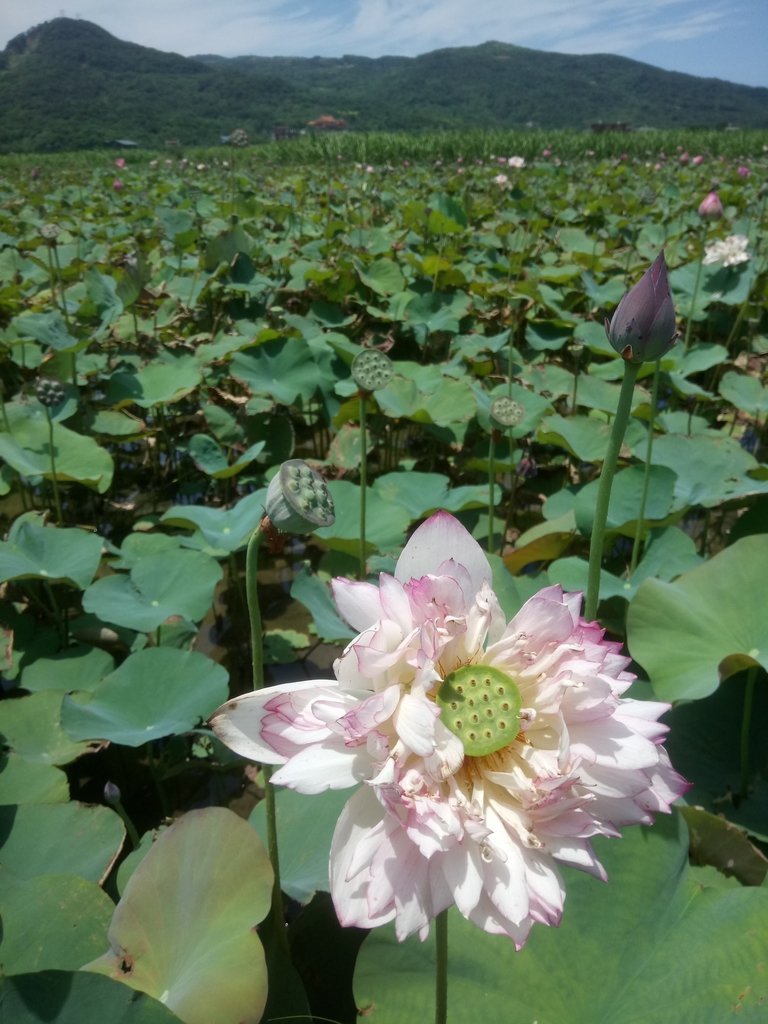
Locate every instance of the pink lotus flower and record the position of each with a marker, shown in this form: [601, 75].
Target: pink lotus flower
[743, 172]
[120, 163]
[710, 206]
[484, 753]
[684, 158]
[697, 160]
[117, 184]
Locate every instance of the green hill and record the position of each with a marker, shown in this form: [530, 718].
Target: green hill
[68, 84]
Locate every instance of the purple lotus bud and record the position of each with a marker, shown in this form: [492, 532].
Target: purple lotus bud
[643, 327]
[710, 207]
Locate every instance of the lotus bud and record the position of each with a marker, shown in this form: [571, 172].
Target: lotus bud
[710, 207]
[642, 328]
[372, 369]
[112, 794]
[298, 500]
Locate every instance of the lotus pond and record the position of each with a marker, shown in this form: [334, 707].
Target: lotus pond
[176, 334]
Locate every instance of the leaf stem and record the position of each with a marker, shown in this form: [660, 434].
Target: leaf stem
[618, 429]
[363, 480]
[695, 292]
[647, 471]
[491, 476]
[54, 481]
[441, 967]
[257, 666]
[746, 722]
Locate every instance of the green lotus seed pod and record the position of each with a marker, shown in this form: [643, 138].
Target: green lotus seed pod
[49, 393]
[298, 500]
[371, 369]
[481, 705]
[506, 411]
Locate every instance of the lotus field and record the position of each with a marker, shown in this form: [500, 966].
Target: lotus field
[384, 582]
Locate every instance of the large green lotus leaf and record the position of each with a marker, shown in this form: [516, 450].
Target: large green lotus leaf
[696, 952]
[74, 997]
[437, 311]
[30, 782]
[421, 493]
[705, 744]
[185, 928]
[177, 582]
[426, 395]
[76, 668]
[49, 552]
[668, 554]
[48, 328]
[73, 838]
[284, 370]
[139, 545]
[51, 922]
[745, 392]
[316, 597]
[219, 530]
[584, 437]
[307, 825]
[156, 692]
[163, 381]
[31, 727]
[27, 449]
[710, 469]
[706, 625]
[385, 525]
[210, 457]
[626, 497]
[382, 276]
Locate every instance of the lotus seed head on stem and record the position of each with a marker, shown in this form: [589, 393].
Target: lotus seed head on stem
[298, 500]
[643, 327]
[372, 369]
[49, 393]
[506, 412]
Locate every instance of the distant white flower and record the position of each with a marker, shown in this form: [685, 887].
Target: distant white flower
[516, 161]
[501, 180]
[728, 251]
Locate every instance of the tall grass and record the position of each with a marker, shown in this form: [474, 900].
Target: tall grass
[428, 147]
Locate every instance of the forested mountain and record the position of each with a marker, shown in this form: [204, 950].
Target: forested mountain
[68, 84]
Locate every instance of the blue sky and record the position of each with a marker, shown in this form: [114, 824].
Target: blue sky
[712, 38]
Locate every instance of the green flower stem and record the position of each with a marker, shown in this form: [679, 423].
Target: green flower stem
[746, 722]
[604, 488]
[441, 967]
[363, 479]
[257, 665]
[647, 471]
[130, 828]
[54, 481]
[491, 476]
[695, 293]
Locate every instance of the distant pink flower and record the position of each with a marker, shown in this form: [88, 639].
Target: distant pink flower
[546, 152]
[120, 163]
[484, 753]
[743, 172]
[710, 207]
[697, 160]
[117, 184]
[684, 158]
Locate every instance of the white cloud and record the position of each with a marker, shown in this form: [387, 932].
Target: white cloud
[408, 27]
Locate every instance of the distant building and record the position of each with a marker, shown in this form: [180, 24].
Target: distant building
[610, 126]
[282, 131]
[327, 123]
